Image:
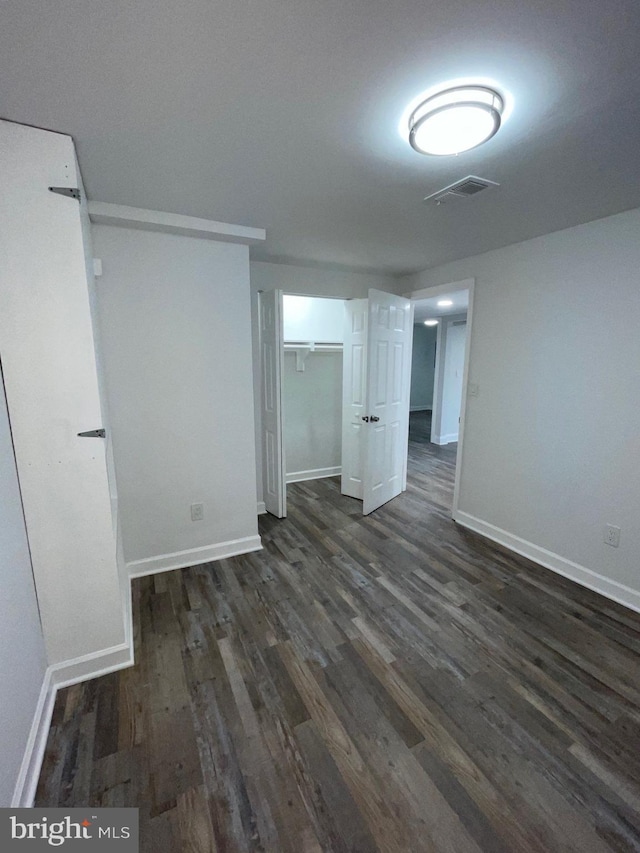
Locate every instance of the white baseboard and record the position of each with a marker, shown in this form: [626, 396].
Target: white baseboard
[91, 666]
[445, 439]
[313, 474]
[102, 662]
[57, 676]
[262, 509]
[193, 557]
[25, 789]
[574, 571]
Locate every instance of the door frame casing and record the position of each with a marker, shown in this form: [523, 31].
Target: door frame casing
[275, 504]
[441, 290]
[280, 294]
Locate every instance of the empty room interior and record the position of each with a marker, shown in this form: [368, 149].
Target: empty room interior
[320, 422]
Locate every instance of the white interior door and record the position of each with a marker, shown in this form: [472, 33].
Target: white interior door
[51, 383]
[390, 337]
[449, 381]
[453, 380]
[271, 354]
[354, 396]
[376, 389]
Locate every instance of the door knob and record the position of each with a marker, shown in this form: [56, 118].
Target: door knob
[374, 419]
[365, 418]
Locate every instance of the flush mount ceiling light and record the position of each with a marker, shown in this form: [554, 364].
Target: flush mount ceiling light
[445, 303]
[455, 120]
[431, 322]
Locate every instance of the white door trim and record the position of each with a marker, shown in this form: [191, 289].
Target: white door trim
[271, 414]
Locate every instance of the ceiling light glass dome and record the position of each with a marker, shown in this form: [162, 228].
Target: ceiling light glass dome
[455, 120]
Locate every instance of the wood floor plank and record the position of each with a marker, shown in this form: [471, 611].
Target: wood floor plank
[438, 738]
[194, 821]
[410, 792]
[384, 683]
[343, 827]
[388, 831]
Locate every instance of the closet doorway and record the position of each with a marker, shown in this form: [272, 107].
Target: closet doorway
[335, 394]
[313, 338]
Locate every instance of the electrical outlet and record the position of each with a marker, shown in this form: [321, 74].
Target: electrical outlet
[612, 535]
[472, 389]
[197, 512]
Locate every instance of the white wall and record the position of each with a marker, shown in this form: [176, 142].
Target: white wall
[313, 281]
[22, 653]
[552, 444]
[312, 406]
[307, 318]
[309, 281]
[423, 356]
[176, 331]
[312, 397]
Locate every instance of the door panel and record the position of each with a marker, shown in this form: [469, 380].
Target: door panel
[270, 307]
[353, 396]
[388, 386]
[453, 380]
[51, 382]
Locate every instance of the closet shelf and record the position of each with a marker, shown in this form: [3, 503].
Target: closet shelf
[313, 346]
[303, 348]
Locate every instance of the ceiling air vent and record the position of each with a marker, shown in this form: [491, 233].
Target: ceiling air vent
[461, 189]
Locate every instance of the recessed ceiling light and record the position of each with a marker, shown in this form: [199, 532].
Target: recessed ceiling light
[431, 322]
[445, 303]
[455, 120]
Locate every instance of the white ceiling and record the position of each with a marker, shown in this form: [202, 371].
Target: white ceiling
[284, 114]
[426, 309]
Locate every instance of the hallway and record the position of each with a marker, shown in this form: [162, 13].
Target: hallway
[420, 426]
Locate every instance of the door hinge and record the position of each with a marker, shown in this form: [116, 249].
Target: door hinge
[92, 433]
[70, 192]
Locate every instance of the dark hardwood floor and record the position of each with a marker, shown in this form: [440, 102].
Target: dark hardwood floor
[420, 426]
[389, 683]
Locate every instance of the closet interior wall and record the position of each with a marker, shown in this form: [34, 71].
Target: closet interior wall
[313, 334]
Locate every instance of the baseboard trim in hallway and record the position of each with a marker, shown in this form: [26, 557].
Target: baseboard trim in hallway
[91, 666]
[193, 557]
[611, 589]
[56, 677]
[100, 663]
[27, 782]
[313, 474]
[450, 438]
